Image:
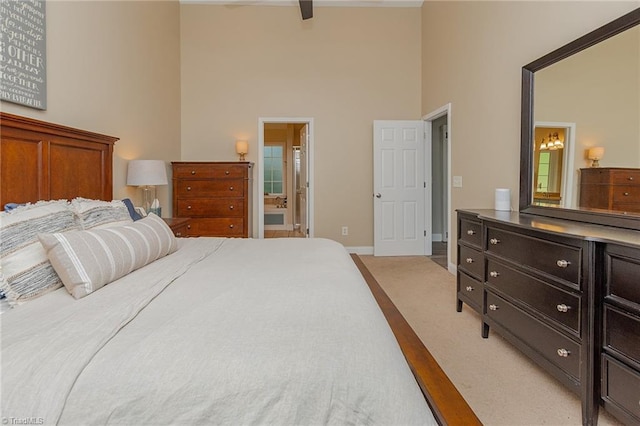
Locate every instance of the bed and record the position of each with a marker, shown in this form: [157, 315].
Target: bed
[197, 331]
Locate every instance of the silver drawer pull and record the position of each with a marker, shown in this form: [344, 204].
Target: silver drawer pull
[563, 308]
[469, 260]
[469, 288]
[231, 188]
[188, 226]
[494, 241]
[231, 207]
[226, 172]
[178, 234]
[494, 274]
[231, 226]
[626, 194]
[188, 188]
[188, 207]
[630, 177]
[493, 307]
[193, 172]
[471, 232]
[563, 353]
[563, 263]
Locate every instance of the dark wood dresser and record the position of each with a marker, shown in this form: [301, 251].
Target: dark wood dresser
[610, 188]
[216, 196]
[566, 294]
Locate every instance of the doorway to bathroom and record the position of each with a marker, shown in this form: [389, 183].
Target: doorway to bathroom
[284, 178]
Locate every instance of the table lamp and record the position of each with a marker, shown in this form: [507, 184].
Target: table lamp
[147, 174]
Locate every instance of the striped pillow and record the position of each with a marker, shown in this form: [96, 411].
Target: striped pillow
[97, 214]
[26, 271]
[89, 260]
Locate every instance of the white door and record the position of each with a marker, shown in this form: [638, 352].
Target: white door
[303, 184]
[401, 165]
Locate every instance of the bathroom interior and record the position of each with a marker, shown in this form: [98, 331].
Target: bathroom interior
[282, 186]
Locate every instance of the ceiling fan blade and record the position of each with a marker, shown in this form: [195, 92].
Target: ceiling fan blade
[306, 9]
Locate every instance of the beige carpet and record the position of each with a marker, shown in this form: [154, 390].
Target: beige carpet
[501, 385]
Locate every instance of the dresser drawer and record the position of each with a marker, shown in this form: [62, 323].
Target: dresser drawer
[623, 270]
[210, 188]
[625, 177]
[220, 207]
[208, 171]
[621, 388]
[470, 232]
[217, 227]
[471, 261]
[552, 302]
[622, 333]
[626, 194]
[551, 344]
[559, 260]
[471, 290]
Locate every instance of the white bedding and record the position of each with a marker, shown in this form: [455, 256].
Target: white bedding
[223, 331]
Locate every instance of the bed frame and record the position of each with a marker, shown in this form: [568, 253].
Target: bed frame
[44, 161]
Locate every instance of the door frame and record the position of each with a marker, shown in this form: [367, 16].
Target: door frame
[260, 166]
[428, 125]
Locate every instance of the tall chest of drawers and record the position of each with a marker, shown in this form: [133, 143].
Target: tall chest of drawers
[565, 294]
[215, 195]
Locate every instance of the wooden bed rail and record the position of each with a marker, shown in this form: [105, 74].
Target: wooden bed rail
[447, 404]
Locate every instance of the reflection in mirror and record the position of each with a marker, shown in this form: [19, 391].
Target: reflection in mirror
[588, 92]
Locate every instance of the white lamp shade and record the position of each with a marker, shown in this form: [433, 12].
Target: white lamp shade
[242, 147]
[146, 172]
[596, 153]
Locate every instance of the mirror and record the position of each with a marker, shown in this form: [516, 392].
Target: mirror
[581, 107]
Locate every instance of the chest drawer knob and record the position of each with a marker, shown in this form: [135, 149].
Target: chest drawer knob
[471, 232]
[493, 307]
[630, 177]
[494, 274]
[469, 288]
[494, 241]
[563, 263]
[563, 353]
[178, 234]
[563, 308]
[469, 260]
[188, 188]
[188, 207]
[231, 226]
[226, 172]
[626, 194]
[231, 188]
[193, 172]
[188, 226]
[231, 207]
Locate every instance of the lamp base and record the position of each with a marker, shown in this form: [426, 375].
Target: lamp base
[595, 163]
[148, 195]
[241, 157]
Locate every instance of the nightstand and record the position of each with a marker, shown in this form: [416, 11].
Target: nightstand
[179, 225]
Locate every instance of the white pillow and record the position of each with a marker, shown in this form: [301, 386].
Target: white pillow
[88, 260]
[25, 269]
[97, 214]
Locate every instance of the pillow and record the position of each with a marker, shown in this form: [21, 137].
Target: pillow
[89, 260]
[97, 214]
[26, 272]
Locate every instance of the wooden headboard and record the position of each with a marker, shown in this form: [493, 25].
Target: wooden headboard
[46, 161]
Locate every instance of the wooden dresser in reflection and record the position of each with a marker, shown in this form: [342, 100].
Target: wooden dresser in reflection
[215, 195]
[610, 188]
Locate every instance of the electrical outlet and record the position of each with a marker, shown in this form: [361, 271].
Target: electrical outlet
[457, 181]
[345, 230]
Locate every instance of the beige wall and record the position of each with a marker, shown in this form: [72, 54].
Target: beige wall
[345, 68]
[113, 67]
[472, 55]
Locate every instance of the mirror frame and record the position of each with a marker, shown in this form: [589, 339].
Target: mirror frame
[618, 219]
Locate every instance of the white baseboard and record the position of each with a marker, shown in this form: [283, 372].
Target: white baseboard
[360, 250]
[436, 238]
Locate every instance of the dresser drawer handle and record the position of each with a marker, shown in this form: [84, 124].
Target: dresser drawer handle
[630, 177]
[494, 241]
[626, 194]
[471, 232]
[231, 207]
[231, 226]
[231, 188]
[188, 188]
[563, 308]
[226, 172]
[188, 207]
[469, 260]
[188, 226]
[178, 234]
[469, 288]
[563, 353]
[493, 307]
[563, 263]
[494, 274]
[193, 172]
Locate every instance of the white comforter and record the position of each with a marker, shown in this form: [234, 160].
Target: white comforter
[224, 331]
